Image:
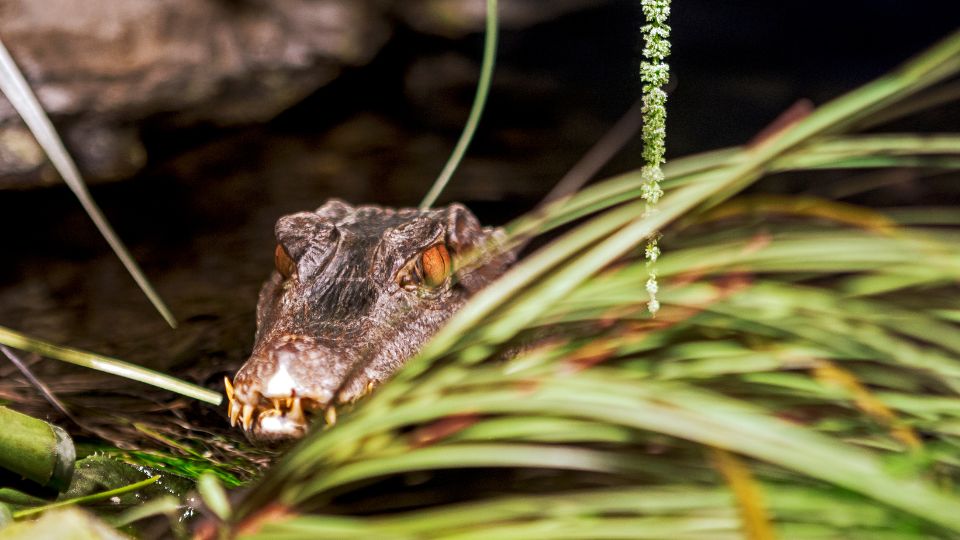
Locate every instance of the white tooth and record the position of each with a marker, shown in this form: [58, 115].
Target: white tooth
[296, 411]
[234, 412]
[229, 387]
[247, 416]
[330, 415]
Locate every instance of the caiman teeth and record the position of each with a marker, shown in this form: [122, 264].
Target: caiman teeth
[230, 408]
[292, 408]
[228, 386]
[233, 410]
[247, 416]
[330, 415]
[296, 410]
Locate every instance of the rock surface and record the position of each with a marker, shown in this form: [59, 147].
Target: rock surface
[102, 67]
[99, 67]
[455, 18]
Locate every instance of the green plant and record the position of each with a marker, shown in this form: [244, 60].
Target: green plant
[476, 110]
[819, 348]
[655, 74]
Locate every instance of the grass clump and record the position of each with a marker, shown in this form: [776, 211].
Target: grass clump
[801, 379]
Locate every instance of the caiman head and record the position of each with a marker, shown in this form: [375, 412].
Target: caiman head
[356, 292]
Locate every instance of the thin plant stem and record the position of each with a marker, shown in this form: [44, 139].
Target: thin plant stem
[598, 155]
[37, 383]
[479, 100]
[86, 498]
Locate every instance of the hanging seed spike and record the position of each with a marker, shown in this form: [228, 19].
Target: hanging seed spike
[230, 409]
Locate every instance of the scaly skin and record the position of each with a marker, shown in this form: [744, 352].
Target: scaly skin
[356, 293]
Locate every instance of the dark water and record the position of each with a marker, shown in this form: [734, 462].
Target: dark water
[200, 218]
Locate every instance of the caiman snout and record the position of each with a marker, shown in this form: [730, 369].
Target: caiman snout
[282, 383]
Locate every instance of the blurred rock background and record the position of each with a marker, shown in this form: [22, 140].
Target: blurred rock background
[103, 68]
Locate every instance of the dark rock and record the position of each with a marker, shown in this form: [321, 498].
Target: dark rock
[456, 18]
[99, 67]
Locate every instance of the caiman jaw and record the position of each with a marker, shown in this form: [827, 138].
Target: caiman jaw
[284, 382]
[272, 418]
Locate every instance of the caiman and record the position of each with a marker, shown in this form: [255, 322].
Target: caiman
[355, 293]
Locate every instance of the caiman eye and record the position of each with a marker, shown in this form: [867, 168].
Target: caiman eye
[429, 270]
[436, 265]
[283, 262]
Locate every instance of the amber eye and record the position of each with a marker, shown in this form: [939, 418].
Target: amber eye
[283, 262]
[436, 265]
[429, 270]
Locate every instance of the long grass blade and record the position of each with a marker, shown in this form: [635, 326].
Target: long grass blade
[15, 87]
[476, 110]
[108, 365]
[103, 495]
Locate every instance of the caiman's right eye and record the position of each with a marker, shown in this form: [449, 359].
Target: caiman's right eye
[428, 271]
[435, 262]
[283, 262]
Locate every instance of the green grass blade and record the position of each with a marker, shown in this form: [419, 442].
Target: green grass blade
[15, 87]
[479, 101]
[104, 495]
[108, 365]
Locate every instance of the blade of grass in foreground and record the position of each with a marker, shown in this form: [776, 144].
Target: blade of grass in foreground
[87, 498]
[108, 365]
[619, 230]
[679, 507]
[36, 449]
[603, 395]
[15, 87]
